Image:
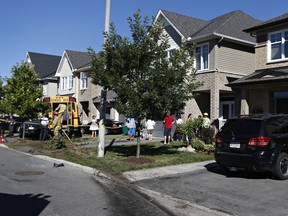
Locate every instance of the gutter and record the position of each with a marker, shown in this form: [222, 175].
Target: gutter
[207, 36]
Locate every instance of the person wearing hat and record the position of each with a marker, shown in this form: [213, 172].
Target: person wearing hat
[206, 121]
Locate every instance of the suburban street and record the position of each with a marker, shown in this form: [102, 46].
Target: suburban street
[201, 189]
[33, 186]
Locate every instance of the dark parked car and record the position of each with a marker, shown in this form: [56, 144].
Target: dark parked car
[18, 122]
[32, 128]
[254, 142]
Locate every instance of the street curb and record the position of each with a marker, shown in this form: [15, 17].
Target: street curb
[138, 175]
[88, 170]
[179, 206]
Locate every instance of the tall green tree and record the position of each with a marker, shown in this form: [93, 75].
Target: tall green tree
[139, 72]
[22, 92]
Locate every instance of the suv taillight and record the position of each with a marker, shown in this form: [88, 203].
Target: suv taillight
[218, 140]
[261, 141]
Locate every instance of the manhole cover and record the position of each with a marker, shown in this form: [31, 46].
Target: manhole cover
[29, 173]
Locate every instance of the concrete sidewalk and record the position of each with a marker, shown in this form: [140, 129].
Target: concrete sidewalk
[166, 170]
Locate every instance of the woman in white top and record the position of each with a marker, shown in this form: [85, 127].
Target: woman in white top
[93, 126]
[150, 128]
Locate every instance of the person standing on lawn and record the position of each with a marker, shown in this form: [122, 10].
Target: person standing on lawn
[131, 124]
[44, 128]
[168, 122]
[150, 128]
[94, 126]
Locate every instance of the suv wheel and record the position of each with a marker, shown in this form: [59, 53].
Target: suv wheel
[281, 166]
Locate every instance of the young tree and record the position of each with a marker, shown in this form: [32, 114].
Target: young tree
[22, 93]
[139, 72]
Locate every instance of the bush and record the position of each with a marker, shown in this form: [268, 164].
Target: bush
[207, 135]
[56, 142]
[190, 128]
[198, 144]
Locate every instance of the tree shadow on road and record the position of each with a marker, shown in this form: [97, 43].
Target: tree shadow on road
[26, 204]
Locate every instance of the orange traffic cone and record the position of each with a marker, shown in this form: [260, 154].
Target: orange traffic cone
[1, 139]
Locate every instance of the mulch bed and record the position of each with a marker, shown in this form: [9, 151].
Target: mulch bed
[140, 160]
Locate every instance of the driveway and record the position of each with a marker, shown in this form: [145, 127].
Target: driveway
[205, 187]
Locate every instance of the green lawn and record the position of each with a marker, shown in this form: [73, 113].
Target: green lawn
[118, 158]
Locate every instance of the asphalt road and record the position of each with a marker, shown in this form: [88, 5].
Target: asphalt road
[34, 186]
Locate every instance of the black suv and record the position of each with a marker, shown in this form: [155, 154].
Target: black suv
[254, 142]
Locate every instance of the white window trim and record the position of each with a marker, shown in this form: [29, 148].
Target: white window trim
[81, 81]
[67, 82]
[202, 62]
[282, 47]
[171, 49]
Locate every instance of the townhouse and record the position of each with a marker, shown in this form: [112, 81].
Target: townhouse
[45, 66]
[223, 54]
[265, 89]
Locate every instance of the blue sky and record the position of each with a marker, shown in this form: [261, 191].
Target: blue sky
[52, 26]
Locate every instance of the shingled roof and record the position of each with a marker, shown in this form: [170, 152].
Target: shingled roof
[270, 75]
[185, 24]
[45, 65]
[272, 22]
[78, 59]
[230, 25]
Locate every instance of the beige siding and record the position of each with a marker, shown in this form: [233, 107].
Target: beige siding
[171, 42]
[87, 95]
[51, 89]
[65, 70]
[235, 59]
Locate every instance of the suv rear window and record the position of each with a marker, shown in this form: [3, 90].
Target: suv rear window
[242, 127]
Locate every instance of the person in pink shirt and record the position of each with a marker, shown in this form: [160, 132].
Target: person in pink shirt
[168, 122]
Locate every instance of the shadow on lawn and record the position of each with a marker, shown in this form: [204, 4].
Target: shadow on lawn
[145, 149]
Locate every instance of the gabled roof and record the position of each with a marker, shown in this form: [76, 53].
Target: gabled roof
[263, 76]
[45, 65]
[185, 24]
[78, 59]
[272, 22]
[229, 25]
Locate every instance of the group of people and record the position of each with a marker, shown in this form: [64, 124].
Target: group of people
[141, 127]
[169, 121]
[144, 127]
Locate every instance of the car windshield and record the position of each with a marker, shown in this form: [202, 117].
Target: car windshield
[242, 127]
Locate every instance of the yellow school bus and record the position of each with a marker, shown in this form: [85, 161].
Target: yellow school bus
[70, 123]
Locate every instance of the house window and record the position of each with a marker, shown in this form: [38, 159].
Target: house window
[70, 82]
[170, 53]
[201, 56]
[278, 46]
[84, 80]
[66, 82]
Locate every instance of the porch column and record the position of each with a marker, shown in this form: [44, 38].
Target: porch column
[214, 97]
[244, 107]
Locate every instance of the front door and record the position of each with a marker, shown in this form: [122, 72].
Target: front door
[226, 109]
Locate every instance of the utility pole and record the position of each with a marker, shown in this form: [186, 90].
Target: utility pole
[101, 145]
